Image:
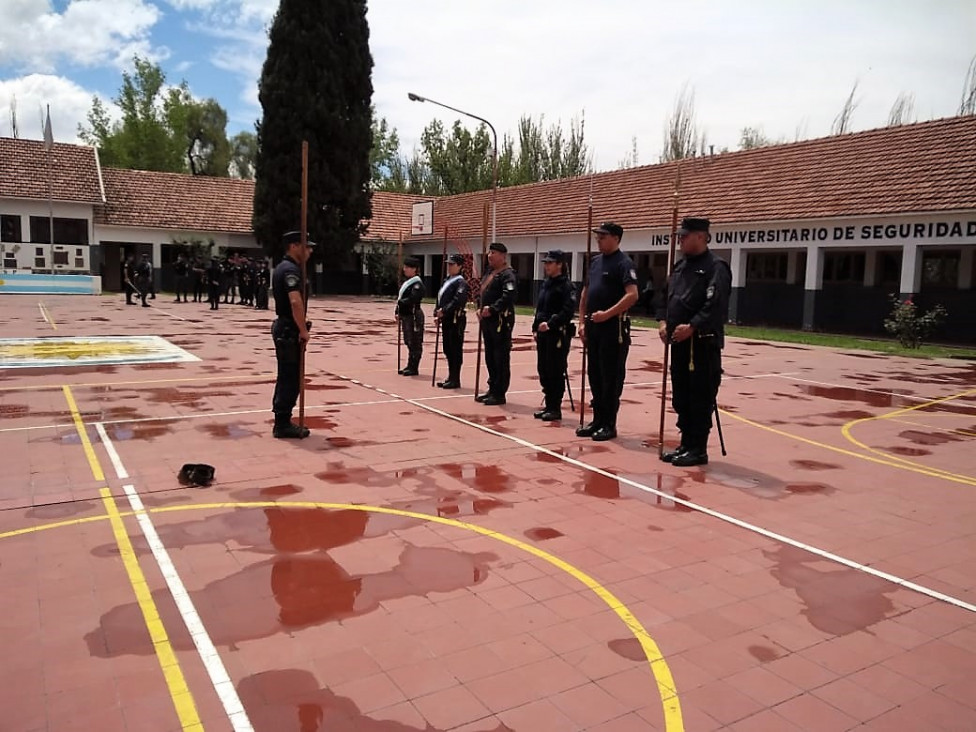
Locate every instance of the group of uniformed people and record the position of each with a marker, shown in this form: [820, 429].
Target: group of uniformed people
[692, 318]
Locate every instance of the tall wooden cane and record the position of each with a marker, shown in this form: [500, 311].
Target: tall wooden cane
[301, 356]
[586, 284]
[667, 348]
[399, 284]
[484, 266]
[437, 325]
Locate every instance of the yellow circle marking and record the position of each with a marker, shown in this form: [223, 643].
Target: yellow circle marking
[659, 667]
[904, 462]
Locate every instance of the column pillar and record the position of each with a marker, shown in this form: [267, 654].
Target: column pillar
[737, 260]
[812, 285]
[911, 270]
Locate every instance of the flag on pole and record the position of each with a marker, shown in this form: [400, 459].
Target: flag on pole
[48, 135]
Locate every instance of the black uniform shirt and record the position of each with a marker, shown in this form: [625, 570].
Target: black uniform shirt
[180, 268]
[609, 275]
[408, 304]
[499, 295]
[454, 298]
[556, 303]
[287, 278]
[698, 294]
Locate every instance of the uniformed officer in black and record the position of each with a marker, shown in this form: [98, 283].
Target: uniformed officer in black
[496, 312]
[693, 321]
[181, 268]
[410, 316]
[144, 276]
[129, 278]
[214, 276]
[554, 330]
[610, 292]
[450, 314]
[290, 332]
[263, 282]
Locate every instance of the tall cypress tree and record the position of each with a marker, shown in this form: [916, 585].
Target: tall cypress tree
[316, 86]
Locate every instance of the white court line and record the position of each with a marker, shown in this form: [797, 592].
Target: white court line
[167, 312]
[907, 584]
[40, 306]
[205, 648]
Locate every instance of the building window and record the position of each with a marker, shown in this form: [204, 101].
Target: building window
[66, 231]
[10, 228]
[843, 268]
[889, 268]
[766, 266]
[940, 269]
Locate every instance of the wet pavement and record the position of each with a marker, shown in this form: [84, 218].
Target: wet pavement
[423, 562]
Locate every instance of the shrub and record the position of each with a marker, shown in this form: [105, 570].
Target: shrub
[910, 328]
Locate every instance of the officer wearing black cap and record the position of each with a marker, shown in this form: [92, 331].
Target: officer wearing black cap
[496, 311]
[289, 331]
[410, 316]
[449, 313]
[693, 321]
[554, 331]
[610, 292]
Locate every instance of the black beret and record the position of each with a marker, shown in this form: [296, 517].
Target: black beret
[497, 246]
[691, 225]
[610, 228]
[554, 255]
[455, 259]
[411, 262]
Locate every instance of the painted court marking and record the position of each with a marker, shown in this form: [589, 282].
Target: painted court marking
[46, 314]
[824, 554]
[21, 353]
[183, 702]
[191, 618]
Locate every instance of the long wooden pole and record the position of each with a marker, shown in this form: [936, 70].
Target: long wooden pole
[484, 266]
[586, 283]
[304, 233]
[399, 283]
[667, 349]
[437, 325]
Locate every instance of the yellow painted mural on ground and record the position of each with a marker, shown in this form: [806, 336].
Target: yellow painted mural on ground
[93, 351]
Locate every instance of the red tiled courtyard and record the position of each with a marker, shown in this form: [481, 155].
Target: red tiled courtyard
[423, 562]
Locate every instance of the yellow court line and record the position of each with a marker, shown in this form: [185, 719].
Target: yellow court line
[179, 692]
[663, 678]
[966, 480]
[43, 387]
[846, 431]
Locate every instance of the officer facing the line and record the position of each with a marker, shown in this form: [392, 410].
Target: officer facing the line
[693, 321]
[496, 311]
[610, 292]
[554, 331]
[449, 313]
[410, 316]
[290, 332]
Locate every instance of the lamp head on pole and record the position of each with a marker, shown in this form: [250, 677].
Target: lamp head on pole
[415, 97]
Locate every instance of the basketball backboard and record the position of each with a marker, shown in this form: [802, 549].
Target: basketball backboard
[422, 218]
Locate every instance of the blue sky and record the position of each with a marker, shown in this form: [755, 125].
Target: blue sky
[783, 65]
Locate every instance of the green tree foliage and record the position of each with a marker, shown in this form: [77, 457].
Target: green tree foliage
[315, 86]
[243, 153]
[169, 131]
[752, 137]
[385, 166]
[682, 136]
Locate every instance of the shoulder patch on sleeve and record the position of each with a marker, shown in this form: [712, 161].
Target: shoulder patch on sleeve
[633, 274]
[509, 286]
[292, 280]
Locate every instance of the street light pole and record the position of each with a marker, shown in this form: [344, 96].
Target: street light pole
[494, 153]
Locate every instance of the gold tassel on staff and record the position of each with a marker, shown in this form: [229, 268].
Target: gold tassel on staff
[667, 350]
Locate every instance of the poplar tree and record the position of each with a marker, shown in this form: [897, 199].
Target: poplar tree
[315, 86]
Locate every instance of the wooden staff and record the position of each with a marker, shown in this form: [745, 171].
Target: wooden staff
[399, 283]
[484, 266]
[437, 325]
[301, 356]
[586, 283]
[667, 349]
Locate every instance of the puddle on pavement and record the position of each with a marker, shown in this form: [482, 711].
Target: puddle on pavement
[846, 394]
[13, 411]
[318, 422]
[759, 484]
[484, 478]
[907, 451]
[838, 600]
[138, 431]
[629, 648]
[337, 472]
[813, 465]
[60, 510]
[305, 590]
[918, 437]
[763, 654]
[233, 431]
[542, 533]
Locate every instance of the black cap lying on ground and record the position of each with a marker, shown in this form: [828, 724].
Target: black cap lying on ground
[455, 259]
[497, 246]
[691, 225]
[196, 474]
[610, 228]
[554, 255]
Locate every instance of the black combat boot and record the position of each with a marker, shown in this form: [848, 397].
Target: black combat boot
[670, 455]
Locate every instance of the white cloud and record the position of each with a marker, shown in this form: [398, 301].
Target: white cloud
[88, 33]
[31, 94]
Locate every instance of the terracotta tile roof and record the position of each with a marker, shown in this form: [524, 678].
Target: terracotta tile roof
[391, 215]
[176, 201]
[927, 166]
[24, 171]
